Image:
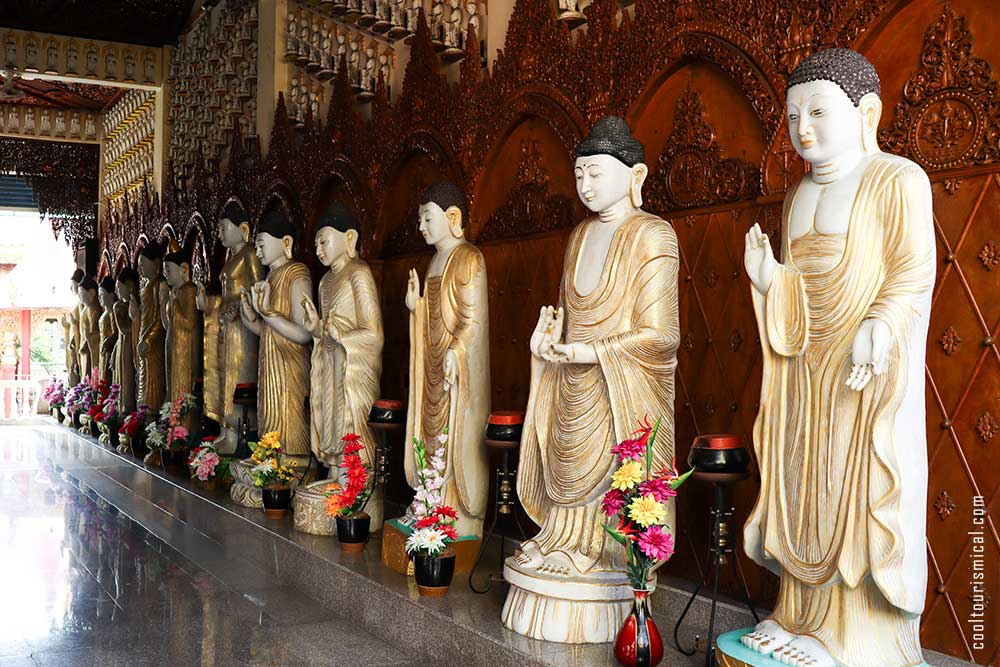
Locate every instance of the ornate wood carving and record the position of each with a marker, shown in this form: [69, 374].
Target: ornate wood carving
[944, 505]
[987, 426]
[950, 341]
[950, 112]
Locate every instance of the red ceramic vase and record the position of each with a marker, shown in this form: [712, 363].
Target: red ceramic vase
[639, 643]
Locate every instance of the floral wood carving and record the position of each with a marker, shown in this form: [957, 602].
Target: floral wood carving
[990, 255]
[944, 505]
[691, 170]
[950, 341]
[987, 427]
[950, 112]
[529, 209]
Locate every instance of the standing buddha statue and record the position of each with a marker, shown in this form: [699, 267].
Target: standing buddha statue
[601, 361]
[123, 364]
[90, 332]
[106, 324]
[71, 332]
[151, 376]
[183, 325]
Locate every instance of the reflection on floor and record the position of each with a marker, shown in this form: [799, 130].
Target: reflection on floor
[84, 585]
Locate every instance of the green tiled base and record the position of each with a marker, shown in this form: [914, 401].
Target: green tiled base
[729, 644]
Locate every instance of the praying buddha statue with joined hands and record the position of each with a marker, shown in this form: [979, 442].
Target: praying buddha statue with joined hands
[182, 322]
[109, 330]
[840, 434]
[601, 360]
[273, 309]
[150, 350]
[449, 356]
[347, 348]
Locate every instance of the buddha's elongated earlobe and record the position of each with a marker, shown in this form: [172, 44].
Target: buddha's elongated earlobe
[286, 246]
[245, 232]
[352, 244]
[639, 172]
[870, 108]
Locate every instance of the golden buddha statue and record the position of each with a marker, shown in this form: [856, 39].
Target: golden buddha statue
[601, 362]
[106, 324]
[273, 309]
[347, 347]
[123, 366]
[151, 376]
[71, 332]
[90, 331]
[183, 325]
[450, 356]
[230, 354]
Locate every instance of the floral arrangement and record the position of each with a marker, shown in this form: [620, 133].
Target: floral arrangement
[638, 498]
[80, 398]
[430, 478]
[107, 411]
[269, 471]
[167, 432]
[433, 532]
[350, 499]
[55, 394]
[205, 462]
[135, 421]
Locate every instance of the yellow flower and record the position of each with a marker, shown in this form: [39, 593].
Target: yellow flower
[647, 511]
[627, 476]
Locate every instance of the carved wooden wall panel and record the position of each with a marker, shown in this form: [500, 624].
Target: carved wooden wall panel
[702, 83]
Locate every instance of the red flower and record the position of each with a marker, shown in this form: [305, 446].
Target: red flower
[445, 511]
[426, 522]
[628, 529]
[449, 532]
[352, 443]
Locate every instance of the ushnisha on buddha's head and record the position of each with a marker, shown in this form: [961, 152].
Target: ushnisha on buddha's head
[106, 294]
[442, 213]
[337, 235]
[177, 268]
[88, 291]
[609, 168]
[150, 258]
[275, 239]
[833, 106]
[74, 281]
[234, 226]
[126, 283]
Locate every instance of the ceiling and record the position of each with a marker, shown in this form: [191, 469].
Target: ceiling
[147, 22]
[65, 95]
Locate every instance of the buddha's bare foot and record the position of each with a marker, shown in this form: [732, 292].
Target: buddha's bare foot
[530, 556]
[804, 652]
[767, 638]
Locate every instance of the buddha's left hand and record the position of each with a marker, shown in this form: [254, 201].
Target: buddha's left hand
[575, 353]
[450, 369]
[869, 353]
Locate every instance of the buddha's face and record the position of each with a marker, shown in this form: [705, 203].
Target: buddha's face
[230, 233]
[88, 296]
[148, 268]
[332, 245]
[269, 248]
[601, 181]
[434, 224]
[175, 274]
[823, 122]
[124, 289]
[107, 298]
[74, 287]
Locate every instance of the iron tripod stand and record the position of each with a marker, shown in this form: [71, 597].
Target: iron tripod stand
[720, 549]
[505, 503]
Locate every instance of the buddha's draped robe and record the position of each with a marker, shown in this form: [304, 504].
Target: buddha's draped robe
[453, 314]
[184, 340]
[71, 334]
[840, 516]
[123, 359]
[109, 338]
[577, 413]
[90, 340]
[151, 385]
[283, 369]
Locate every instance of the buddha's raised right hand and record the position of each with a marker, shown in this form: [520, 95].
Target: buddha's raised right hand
[412, 290]
[758, 258]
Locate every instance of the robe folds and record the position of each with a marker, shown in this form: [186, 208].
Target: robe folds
[123, 359]
[71, 332]
[151, 375]
[577, 413]
[453, 314]
[184, 340]
[109, 338]
[840, 516]
[283, 369]
[89, 340]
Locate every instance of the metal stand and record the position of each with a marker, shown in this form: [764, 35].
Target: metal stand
[720, 549]
[505, 502]
[382, 452]
[242, 448]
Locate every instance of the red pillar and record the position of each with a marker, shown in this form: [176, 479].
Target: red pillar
[25, 343]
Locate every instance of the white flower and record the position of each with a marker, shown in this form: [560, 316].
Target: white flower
[438, 464]
[443, 439]
[427, 540]
[435, 483]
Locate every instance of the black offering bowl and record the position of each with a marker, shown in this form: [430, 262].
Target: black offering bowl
[505, 426]
[719, 453]
[386, 411]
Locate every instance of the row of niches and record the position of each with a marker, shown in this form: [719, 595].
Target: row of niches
[29, 52]
[130, 127]
[367, 59]
[40, 122]
[213, 72]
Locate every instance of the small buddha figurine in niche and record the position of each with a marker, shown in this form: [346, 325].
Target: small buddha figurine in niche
[450, 355]
[347, 346]
[840, 433]
[71, 332]
[601, 361]
[90, 330]
[182, 322]
[106, 324]
[150, 358]
[236, 345]
[273, 309]
[123, 364]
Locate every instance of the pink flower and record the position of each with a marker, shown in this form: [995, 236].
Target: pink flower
[613, 502]
[656, 544]
[178, 433]
[659, 488]
[632, 448]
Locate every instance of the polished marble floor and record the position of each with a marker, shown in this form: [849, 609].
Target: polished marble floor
[85, 585]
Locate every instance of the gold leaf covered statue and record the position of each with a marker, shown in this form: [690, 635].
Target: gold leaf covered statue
[182, 321]
[347, 347]
[233, 348]
[150, 357]
[601, 361]
[71, 332]
[90, 331]
[840, 434]
[109, 330]
[450, 356]
[124, 370]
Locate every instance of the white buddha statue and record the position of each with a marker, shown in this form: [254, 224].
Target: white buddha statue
[840, 434]
[601, 361]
